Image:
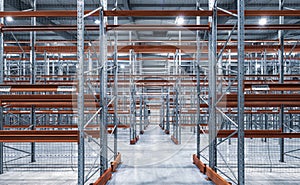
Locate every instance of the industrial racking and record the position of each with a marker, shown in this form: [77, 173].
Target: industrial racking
[239, 92]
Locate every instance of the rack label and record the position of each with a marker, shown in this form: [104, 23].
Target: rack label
[260, 87]
[5, 89]
[66, 89]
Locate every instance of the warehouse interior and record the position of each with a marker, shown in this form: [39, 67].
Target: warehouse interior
[149, 92]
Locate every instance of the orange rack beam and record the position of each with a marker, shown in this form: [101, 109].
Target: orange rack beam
[148, 27]
[145, 27]
[134, 140]
[147, 48]
[199, 164]
[146, 13]
[38, 88]
[273, 87]
[107, 175]
[157, 76]
[39, 136]
[216, 178]
[60, 112]
[211, 174]
[115, 163]
[257, 134]
[246, 112]
[64, 126]
[174, 140]
[104, 178]
[39, 104]
[40, 126]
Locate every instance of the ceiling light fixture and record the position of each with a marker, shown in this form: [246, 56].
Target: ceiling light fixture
[9, 19]
[179, 20]
[257, 66]
[262, 21]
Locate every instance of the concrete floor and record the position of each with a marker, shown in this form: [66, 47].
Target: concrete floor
[155, 159]
[276, 178]
[37, 178]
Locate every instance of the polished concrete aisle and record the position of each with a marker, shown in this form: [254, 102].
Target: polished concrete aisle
[37, 178]
[155, 160]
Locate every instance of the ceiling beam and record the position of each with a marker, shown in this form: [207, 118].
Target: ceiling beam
[127, 6]
[44, 21]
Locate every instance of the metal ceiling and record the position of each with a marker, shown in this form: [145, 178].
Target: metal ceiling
[24, 5]
[148, 37]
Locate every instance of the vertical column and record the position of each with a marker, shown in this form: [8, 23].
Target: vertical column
[291, 123]
[176, 113]
[33, 74]
[24, 65]
[212, 86]
[228, 65]
[33, 125]
[256, 64]
[241, 126]
[53, 66]
[103, 87]
[197, 65]
[90, 62]
[1, 44]
[1, 128]
[6, 68]
[115, 73]
[132, 114]
[141, 114]
[173, 110]
[132, 62]
[80, 96]
[145, 112]
[266, 124]
[140, 64]
[198, 109]
[130, 94]
[32, 45]
[162, 109]
[176, 62]
[132, 100]
[60, 65]
[46, 61]
[167, 131]
[265, 64]
[181, 103]
[281, 79]
[1, 82]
